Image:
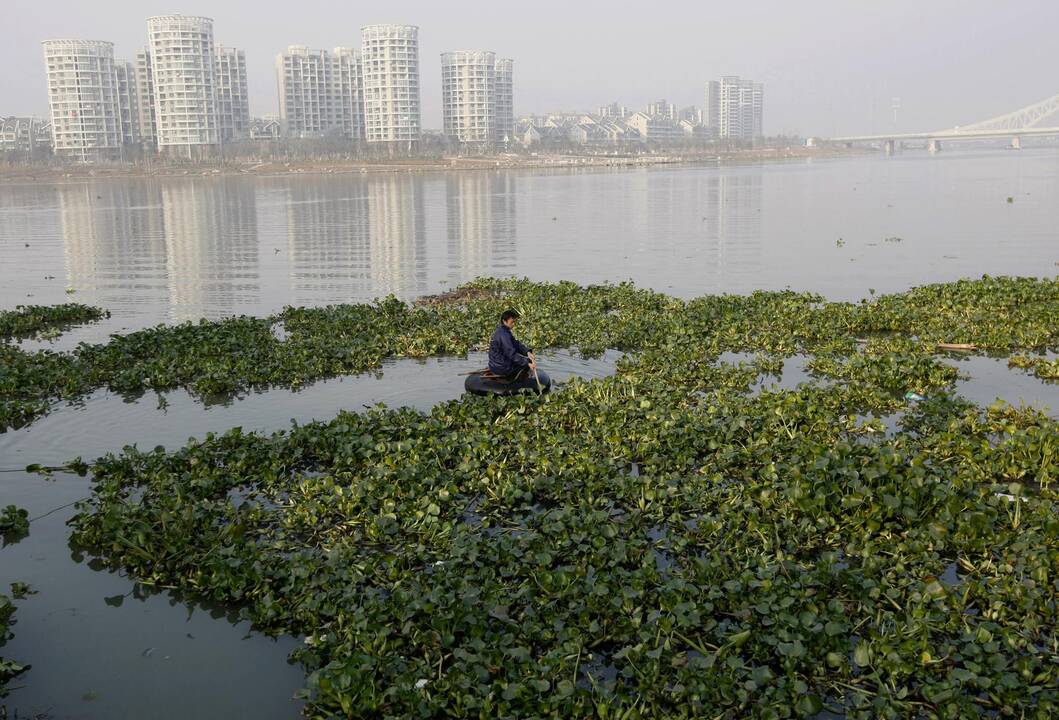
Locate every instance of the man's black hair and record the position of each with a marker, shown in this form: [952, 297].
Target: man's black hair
[508, 314]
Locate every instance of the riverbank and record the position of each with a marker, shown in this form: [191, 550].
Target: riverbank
[23, 174]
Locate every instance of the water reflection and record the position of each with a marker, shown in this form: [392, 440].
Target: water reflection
[210, 231]
[397, 234]
[480, 211]
[327, 239]
[733, 223]
[113, 237]
[191, 244]
[162, 249]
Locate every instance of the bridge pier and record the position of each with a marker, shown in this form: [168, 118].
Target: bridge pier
[934, 146]
[1016, 142]
[890, 146]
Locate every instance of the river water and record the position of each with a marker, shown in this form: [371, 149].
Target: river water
[175, 249]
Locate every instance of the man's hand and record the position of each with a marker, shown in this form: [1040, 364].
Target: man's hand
[532, 357]
[532, 364]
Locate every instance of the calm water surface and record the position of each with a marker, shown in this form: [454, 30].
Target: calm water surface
[175, 249]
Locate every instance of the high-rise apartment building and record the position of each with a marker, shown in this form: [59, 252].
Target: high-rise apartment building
[128, 102]
[468, 96]
[349, 93]
[185, 93]
[233, 104]
[145, 96]
[83, 99]
[734, 108]
[505, 100]
[320, 92]
[390, 61]
[303, 78]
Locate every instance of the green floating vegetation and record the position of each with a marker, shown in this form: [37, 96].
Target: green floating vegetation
[14, 524]
[671, 541]
[219, 358]
[1041, 367]
[9, 669]
[28, 320]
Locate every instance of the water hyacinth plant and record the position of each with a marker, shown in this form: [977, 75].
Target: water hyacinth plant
[9, 669]
[671, 541]
[220, 358]
[14, 524]
[28, 320]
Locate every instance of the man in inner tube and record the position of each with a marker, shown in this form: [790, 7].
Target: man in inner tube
[508, 358]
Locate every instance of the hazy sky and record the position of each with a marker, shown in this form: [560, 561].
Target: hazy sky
[829, 66]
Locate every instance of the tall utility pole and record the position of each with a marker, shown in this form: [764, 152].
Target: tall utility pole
[895, 105]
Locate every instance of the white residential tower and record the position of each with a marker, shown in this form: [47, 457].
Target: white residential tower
[390, 61]
[83, 99]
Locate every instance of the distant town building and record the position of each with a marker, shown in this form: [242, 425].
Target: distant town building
[662, 109]
[25, 136]
[267, 127]
[233, 103]
[695, 131]
[185, 89]
[655, 128]
[614, 110]
[390, 60]
[320, 92]
[468, 96]
[734, 108]
[505, 100]
[83, 99]
[691, 114]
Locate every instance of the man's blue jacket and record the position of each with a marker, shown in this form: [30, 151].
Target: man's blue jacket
[506, 354]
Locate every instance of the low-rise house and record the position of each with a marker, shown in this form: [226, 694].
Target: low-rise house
[266, 128]
[654, 128]
[25, 135]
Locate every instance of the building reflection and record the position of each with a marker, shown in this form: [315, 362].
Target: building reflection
[356, 239]
[732, 227]
[327, 239]
[191, 243]
[210, 230]
[113, 241]
[397, 234]
[480, 209]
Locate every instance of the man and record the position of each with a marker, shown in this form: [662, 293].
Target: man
[508, 358]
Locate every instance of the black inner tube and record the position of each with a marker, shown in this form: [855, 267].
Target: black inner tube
[477, 384]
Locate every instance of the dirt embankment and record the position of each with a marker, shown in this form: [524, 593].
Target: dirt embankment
[62, 173]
